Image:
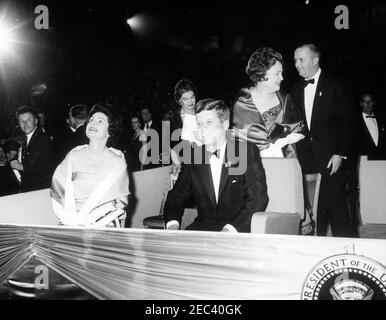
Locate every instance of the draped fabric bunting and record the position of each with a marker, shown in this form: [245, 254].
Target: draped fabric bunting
[157, 264]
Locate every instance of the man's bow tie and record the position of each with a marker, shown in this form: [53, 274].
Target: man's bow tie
[371, 116]
[306, 82]
[216, 153]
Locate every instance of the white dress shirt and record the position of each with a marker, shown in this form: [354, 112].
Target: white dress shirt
[19, 156]
[29, 136]
[309, 96]
[216, 165]
[147, 125]
[372, 126]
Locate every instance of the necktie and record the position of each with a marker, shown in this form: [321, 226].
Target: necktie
[306, 82]
[23, 147]
[372, 116]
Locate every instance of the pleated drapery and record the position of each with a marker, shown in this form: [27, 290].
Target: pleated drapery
[114, 263]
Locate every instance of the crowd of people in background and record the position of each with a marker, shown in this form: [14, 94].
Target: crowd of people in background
[319, 122]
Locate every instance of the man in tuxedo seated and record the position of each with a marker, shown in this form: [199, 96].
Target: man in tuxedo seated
[227, 191]
[10, 178]
[75, 134]
[372, 135]
[36, 161]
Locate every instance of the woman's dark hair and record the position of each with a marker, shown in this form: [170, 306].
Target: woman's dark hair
[182, 86]
[260, 62]
[114, 121]
[138, 116]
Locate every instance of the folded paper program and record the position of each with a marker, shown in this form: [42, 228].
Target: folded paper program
[189, 129]
[273, 151]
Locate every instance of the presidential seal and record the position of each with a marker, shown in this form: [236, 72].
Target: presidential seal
[346, 277]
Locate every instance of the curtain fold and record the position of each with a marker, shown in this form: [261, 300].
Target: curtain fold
[157, 264]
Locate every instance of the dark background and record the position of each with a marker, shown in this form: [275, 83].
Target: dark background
[89, 54]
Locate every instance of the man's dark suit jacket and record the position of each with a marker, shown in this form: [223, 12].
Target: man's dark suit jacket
[239, 195]
[38, 162]
[366, 145]
[69, 140]
[8, 181]
[332, 123]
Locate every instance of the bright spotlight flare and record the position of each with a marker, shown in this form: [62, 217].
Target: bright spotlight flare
[7, 39]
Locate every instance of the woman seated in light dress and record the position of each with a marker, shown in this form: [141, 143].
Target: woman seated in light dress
[262, 114]
[90, 187]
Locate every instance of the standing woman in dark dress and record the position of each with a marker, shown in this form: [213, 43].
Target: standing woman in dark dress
[184, 118]
[262, 114]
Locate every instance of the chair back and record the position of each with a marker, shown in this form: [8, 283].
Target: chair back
[286, 199]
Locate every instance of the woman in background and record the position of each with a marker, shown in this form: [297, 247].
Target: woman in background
[262, 114]
[90, 187]
[185, 94]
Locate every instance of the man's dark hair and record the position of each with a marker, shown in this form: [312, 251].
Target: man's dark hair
[221, 108]
[26, 109]
[114, 121]
[182, 86]
[367, 94]
[79, 111]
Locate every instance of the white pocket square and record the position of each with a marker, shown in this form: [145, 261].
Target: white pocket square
[233, 181]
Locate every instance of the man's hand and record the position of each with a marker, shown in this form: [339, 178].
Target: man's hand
[335, 163]
[229, 228]
[16, 165]
[173, 226]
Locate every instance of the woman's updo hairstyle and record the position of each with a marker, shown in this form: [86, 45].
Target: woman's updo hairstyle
[114, 121]
[260, 62]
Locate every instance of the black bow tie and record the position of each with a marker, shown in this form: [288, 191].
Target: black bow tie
[372, 116]
[306, 82]
[217, 153]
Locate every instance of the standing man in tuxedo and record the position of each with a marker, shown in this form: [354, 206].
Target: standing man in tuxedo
[43, 124]
[36, 161]
[328, 110]
[150, 123]
[75, 134]
[225, 199]
[372, 134]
